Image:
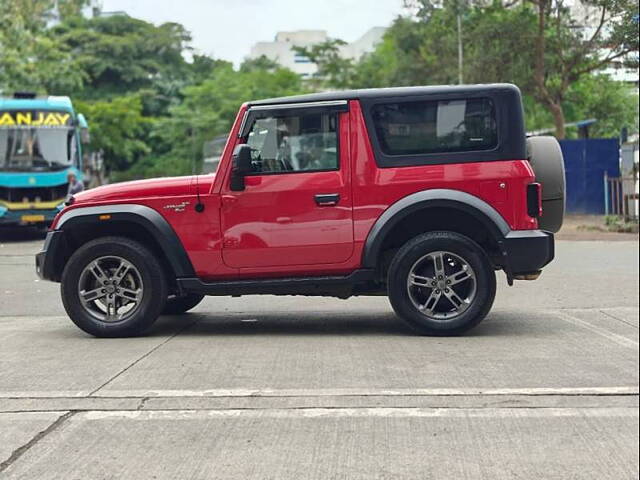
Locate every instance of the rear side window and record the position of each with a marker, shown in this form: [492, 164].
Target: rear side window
[435, 126]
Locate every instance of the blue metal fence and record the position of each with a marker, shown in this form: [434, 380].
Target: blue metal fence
[586, 161]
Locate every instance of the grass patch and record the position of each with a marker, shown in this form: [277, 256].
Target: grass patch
[612, 224]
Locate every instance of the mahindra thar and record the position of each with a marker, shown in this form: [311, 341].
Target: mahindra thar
[417, 193]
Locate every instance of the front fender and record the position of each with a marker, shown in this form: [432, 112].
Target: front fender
[145, 217]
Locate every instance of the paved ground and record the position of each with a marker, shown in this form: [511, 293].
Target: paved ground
[282, 387]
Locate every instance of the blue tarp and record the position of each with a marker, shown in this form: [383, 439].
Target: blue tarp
[585, 162]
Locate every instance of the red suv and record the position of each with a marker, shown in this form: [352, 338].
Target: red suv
[418, 193]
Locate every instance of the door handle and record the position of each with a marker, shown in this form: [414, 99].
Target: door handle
[327, 199]
[229, 199]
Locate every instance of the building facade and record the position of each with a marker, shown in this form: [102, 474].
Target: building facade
[281, 49]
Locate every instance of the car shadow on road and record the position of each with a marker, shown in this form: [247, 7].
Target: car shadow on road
[315, 324]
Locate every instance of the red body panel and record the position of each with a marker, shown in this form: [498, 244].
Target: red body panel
[275, 221]
[274, 227]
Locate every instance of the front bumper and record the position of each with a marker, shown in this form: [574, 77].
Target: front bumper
[49, 259]
[32, 216]
[527, 251]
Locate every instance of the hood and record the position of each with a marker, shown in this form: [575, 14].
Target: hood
[153, 187]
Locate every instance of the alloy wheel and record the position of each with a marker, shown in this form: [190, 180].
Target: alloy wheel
[110, 289]
[441, 285]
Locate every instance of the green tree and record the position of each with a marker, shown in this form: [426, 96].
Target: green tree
[536, 44]
[30, 59]
[331, 64]
[118, 130]
[121, 54]
[202, 67]
[542, 45]
[565, 52]
[207, 110]
[613, 104]
[260, 63]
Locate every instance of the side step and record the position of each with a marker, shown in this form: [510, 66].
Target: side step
[331, 286]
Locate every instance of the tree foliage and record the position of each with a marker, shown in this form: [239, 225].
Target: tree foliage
[564, 52]
[120, 54]
[544, 50]
[208, 110]
[31, 60]
[152, 102]
[118, 129]
[331, 64]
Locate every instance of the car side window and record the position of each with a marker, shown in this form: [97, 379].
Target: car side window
[424, 127]
[294, 143]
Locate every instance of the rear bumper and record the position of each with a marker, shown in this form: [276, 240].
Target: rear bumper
[527, 251]
[48, 260]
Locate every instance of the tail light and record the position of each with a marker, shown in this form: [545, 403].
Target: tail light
[534, 200]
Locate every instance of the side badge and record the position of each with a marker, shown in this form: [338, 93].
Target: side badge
[177, 207]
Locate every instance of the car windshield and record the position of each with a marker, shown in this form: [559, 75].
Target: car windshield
[27, 146]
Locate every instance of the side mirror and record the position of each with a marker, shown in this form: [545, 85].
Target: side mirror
[241, 166]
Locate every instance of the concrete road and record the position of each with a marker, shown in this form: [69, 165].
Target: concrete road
[286, 387]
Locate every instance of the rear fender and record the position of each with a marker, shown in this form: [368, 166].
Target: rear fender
[436, 198]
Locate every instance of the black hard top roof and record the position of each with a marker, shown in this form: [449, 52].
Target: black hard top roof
[371, 93]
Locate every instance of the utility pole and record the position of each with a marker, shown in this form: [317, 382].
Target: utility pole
[459, 20]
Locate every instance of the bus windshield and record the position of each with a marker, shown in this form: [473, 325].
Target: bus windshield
[36, 147]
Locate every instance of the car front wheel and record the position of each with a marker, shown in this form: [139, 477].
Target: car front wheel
[441, 283]
[113, 287]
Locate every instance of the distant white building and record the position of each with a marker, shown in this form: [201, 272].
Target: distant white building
[281, 49]
[587, 17]
[92, 9]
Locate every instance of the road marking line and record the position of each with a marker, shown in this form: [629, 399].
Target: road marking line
[597, 309]
[363, 412]
[47, 394]
[330, 392]
[385, 392]
[614, 337]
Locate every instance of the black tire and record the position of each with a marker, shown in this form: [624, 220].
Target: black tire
[419, 248]
[178, 305]
[152, 278]
[547, 162]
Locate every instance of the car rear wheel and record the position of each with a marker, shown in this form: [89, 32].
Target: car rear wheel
[176, 305]
[441, 283]
[113, 287]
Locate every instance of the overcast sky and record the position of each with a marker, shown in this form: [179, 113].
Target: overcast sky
[228, 28]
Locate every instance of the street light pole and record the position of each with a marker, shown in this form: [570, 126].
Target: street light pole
[459, 20]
